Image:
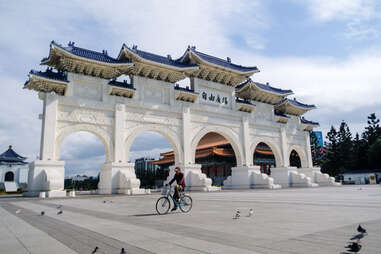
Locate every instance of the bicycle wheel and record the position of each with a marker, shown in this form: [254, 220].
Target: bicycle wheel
[163, 205]
[186, 204]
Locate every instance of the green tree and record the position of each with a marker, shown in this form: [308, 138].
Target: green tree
[330, 163]
[374, 155]
[344, 147]
[316, 150]
[373, 130]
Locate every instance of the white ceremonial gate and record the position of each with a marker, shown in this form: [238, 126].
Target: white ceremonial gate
[81, 94]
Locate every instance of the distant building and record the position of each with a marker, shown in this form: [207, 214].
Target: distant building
[361, 176]
[13, 171]
[80, 178]
[143, 165]
[319, 137]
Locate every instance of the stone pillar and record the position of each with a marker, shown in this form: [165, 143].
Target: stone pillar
[46, 178]
[186, 140]
[308, 150]
[249, 177]
[47, 174]
[119, 176]
[245, 137]
[119, 134]
[285, 155]
[195, 180]
[49, 123]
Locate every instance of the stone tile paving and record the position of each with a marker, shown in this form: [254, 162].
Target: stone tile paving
[317, 220]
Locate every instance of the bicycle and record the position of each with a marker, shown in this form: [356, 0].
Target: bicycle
[163, 204]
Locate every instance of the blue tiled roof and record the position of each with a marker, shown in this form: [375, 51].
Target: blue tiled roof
[305, 121]
[89, 54]
[121, 84]
[278, 113]
[50, 74]
[361, 171]
[295, 103]
[159, 59]
[217, 61]
[187, 89]
[265, 87]
[11, 156]
[243, 101]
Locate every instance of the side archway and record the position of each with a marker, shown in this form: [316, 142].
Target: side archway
[301, 153]
[223, 131]
[103, 135]
[274, 148]
[169, 134]
[9, 177]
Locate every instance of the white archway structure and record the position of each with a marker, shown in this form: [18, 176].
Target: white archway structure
[82, 94]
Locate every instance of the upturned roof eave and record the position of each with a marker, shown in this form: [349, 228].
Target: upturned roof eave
[251, 84]
[246, 73]
[54, 46]
[176, 68]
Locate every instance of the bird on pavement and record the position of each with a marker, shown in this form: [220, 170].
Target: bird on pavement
[237, 214]
[361, 229]
[42, 213]
[359, 236]
[353, 247]
[251, 212]
[95, 250]
[59, 206]
[59, 212]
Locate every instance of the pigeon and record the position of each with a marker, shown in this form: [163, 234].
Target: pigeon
[95, 250]
[122, 251]
[361, 229]
[251, 212]
[237, 215]
[18, 211]
[42, 213]
[59, 212]
[353, 247]
[59, 206]
[104, 201]
[359, 236]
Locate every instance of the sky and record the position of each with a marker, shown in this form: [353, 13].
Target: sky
[327, 52]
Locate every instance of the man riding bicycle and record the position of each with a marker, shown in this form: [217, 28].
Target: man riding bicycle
[180, 185]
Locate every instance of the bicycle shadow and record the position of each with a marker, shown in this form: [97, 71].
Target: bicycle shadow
[152, 214]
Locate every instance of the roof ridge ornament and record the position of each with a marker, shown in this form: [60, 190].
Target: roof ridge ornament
[71, 43]
[169, 57]
[134, 47]
[228, 59]
[104, 52]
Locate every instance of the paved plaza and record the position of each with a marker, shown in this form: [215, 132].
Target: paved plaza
[313, 220]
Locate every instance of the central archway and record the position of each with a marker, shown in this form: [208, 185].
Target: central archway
[227, 133]
[216, 156]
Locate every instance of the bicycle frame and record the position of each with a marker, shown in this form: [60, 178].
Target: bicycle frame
[169, 194]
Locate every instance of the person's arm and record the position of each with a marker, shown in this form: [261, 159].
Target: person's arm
[170, 182]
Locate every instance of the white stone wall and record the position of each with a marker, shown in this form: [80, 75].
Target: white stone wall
[117, 121]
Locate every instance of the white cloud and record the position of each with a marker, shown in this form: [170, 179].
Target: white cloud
[327, 10]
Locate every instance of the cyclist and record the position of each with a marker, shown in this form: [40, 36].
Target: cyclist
[180, 185]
